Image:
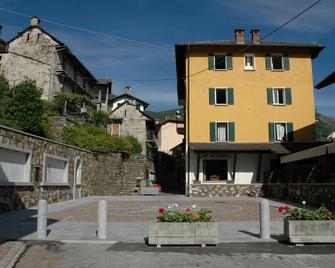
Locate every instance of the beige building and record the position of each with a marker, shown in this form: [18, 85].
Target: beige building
[169, 135]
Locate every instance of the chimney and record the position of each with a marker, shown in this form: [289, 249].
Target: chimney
[255, 37]
[239, 36]
[35, 21]
[127, 90]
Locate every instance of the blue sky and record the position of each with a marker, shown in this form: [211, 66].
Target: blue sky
[165, 23]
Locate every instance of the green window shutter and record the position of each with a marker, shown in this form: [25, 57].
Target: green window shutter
[288, 96]
[231, 131]
[290, 131]
[272, 132]
[212, 96]
[229, 62]
[270, 95]
[211, 61]
[230, 96]
[286, 61]
[212, 131]
[268, 62]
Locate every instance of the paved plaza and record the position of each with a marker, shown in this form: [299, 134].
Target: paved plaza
[129, 216]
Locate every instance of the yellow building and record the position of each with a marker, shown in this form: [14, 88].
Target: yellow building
[246, 103]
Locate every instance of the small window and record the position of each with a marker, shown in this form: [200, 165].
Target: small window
[220, 62]
[221, 96]
[279, 96]
[277, 62]
[280, 131]
[249, 62]
[221, 131]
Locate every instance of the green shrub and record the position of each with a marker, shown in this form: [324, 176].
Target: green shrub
[97, 140]
[99, 118]
[189, 215]
[301, 214]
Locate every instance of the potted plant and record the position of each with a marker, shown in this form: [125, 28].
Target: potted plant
[191, 226]
[214, 177]
[308, 226]
[150, 189]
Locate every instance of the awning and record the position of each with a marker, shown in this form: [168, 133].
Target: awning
[309, 153]
[277, 148]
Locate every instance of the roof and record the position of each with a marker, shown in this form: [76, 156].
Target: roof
[125, 95]
[60, 45]
[309, 153]
[270, 147]
[330, 79]
[180, 54]
[142, 112]
[172, 119]
[3, 45]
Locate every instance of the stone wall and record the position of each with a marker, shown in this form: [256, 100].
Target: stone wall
[226, 190]
[315, 194]
[23, 195]
[114, 175]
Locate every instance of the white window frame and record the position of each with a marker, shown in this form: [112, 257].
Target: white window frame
[202, 171]
[275, 131]
[220, 54]
[282, 62]
[216, 131]
[284, 96]
[28, 167]
[66, 179]
[247, 68]
[226, 91]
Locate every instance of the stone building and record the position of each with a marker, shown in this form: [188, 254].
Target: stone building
[129, 119]
[36, 54]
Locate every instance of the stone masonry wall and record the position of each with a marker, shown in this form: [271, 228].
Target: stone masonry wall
[133, 123]
[315, 194]
[226, 190]
[114, 175]
[14, 197]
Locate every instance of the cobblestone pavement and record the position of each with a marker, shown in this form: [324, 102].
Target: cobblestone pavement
[144, 211]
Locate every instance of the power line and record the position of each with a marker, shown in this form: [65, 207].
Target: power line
[89, 31]
[265, 36]
[144, 43]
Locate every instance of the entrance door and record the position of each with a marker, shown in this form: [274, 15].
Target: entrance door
[77, 178]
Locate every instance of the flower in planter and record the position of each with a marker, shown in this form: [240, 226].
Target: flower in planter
[302, 214]
[303, 203]
[188, 215]
[158, 186]
[161, 210]
[176, 205]
[188, 210]
[194, 206]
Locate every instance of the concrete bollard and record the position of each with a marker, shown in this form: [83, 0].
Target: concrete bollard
[102, 220]
[42, 219]
[264, 210]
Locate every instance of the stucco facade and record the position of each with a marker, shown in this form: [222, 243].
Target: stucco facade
[242, 99]
[168, 137]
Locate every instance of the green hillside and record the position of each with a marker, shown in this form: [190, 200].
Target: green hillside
[163, 115]
[324, 126]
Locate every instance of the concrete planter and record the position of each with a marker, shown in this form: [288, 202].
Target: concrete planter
[149, 191]
[183, 233]
[309, 231]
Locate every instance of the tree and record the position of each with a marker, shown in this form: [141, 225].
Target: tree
[99, 118]
[25, 108]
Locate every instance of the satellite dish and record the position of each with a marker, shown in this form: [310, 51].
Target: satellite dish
[331, 136]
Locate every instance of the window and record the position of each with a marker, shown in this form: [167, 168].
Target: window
[215, 169]
[249, 62]
[221, 131]
[221, 96]
[279, 96]
[55, 170]
[15, 166]
[280, 131]
[116, 128]
[277, 62]
[220, 62]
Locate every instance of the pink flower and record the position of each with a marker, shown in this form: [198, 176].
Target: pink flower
[188, 210]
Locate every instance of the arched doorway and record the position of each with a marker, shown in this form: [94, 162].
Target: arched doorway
[77, 178]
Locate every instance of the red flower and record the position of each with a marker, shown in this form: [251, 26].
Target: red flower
[158, 186]
[161, 210]
[283, 208]
[188, 210]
